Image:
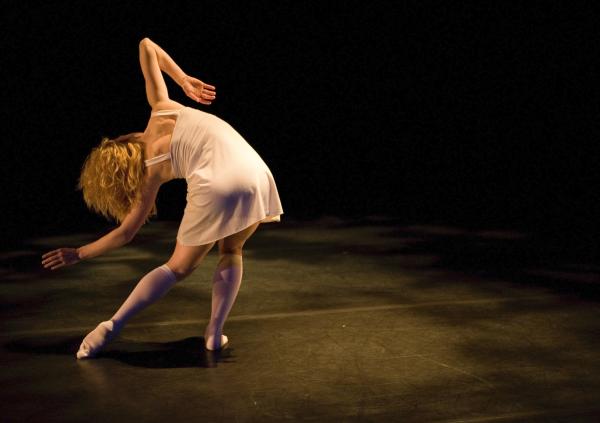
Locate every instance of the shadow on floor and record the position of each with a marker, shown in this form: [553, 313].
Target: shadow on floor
[185, 353]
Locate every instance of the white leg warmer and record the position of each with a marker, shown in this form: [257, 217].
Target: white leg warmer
[150, 288]
[226, 284]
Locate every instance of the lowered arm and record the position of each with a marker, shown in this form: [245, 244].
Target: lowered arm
[128, 227]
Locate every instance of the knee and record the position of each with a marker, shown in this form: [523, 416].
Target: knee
[180, 270]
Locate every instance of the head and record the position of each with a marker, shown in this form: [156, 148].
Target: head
[112, 176]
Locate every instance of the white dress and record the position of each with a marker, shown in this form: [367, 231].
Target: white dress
[229, 186]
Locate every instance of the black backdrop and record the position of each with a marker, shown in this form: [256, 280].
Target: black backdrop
[475, 113]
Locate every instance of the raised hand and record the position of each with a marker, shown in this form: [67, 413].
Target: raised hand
[59, 258]
[198, 90]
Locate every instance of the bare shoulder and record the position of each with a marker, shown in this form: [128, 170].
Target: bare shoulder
[167, 105]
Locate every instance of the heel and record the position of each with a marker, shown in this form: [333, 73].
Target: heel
[224, 345]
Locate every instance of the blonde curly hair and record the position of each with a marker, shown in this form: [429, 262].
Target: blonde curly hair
[112, 176]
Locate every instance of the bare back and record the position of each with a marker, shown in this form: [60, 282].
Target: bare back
[157, 137]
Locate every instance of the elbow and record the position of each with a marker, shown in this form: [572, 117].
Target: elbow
[126, 236]
[145, 42]
[147, 48]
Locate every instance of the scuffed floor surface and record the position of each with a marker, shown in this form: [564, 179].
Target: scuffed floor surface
[336, 321]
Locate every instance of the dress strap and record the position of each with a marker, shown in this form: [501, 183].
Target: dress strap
[158, 159]
[165, 112]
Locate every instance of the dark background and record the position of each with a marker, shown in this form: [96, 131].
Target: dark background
[474, 113]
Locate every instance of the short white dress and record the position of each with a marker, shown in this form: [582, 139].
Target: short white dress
[229, 186]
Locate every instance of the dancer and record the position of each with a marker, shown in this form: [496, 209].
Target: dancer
[230, 192]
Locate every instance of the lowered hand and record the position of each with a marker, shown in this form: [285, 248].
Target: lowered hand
[59, 258]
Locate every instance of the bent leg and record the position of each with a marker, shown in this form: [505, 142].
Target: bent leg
[160, 280]
[149, 289]
[227, 280]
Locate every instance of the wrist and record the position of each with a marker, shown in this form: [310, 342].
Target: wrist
[80, 253]
[182, 80]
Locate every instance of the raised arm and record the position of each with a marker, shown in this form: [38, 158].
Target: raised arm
[153, 60]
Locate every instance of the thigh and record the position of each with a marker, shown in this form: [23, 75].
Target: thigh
[234, 243]
[186, 258]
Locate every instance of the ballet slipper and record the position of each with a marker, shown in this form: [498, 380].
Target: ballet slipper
[223, 346]
[224, 343]
[96, 340]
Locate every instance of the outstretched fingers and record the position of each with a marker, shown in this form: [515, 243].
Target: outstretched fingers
[206, 91]
[51, 258]
[60, 257]
[53, 262]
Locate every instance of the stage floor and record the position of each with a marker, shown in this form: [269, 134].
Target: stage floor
[369, 320]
